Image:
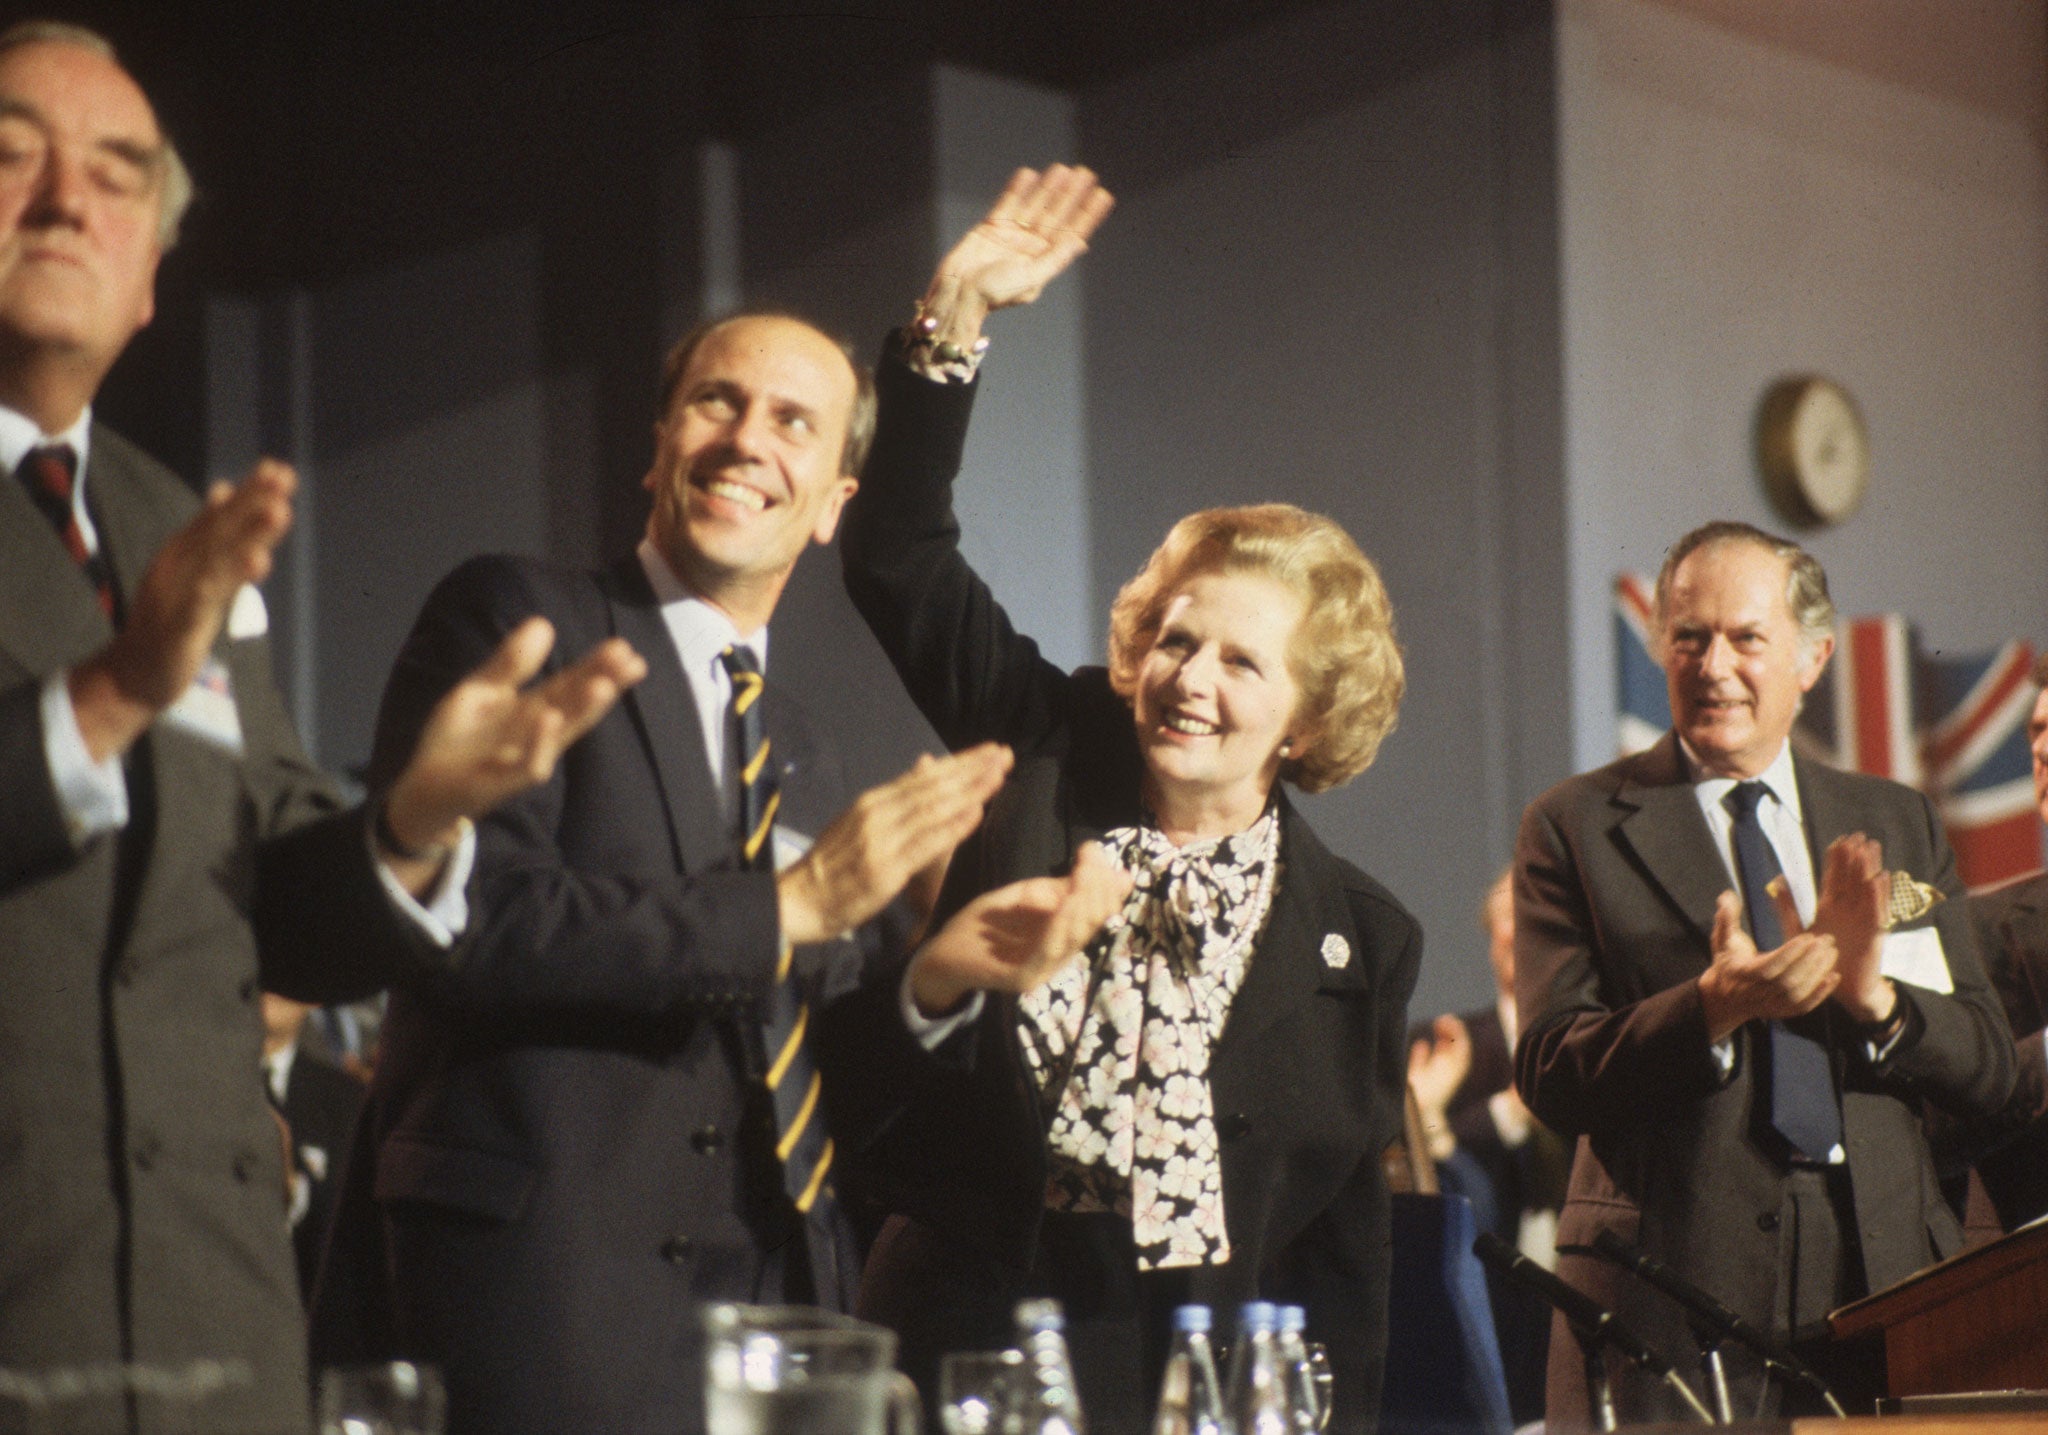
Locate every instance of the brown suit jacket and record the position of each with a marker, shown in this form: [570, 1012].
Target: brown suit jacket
[2012, 935]
[1615, 883]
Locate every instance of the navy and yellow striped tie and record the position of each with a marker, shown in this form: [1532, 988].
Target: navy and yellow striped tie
[802, 1146]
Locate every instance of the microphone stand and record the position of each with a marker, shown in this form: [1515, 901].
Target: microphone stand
[1595, 1325]
[1713, 1324]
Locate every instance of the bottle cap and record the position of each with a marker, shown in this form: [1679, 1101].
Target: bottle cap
[1293, 1317]
[1043, 1314]
[1258, 1315]
[1191, 1318]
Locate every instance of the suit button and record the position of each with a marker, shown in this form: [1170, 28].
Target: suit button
[1768, 1221]
[706, 1139]
[1234, 1126]
[245, 1167]
[676, 1249]
[249, 989]
[146, 1150]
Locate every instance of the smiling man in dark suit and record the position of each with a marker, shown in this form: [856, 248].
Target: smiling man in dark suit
[166, 849]
[572, 1140]
[1744, 1076]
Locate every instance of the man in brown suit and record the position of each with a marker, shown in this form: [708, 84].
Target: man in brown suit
[1744, 1078]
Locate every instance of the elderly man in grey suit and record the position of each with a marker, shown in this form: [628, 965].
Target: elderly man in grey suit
[166, 850]
[1744, 1076]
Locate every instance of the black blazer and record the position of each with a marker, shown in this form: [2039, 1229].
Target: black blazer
[320, 1106]
[1616, 875]
[566, 1149]
[2012, 934]
[1307, 1077]
[132, 969]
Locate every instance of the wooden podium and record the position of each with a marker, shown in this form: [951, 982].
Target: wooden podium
[1977, 1321]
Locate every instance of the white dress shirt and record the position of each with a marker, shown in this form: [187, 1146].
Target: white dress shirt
[701, 632]
[1778, 814]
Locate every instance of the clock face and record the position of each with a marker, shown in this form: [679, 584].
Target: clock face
[1813, 449]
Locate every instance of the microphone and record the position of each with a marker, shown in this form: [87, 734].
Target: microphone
[1592, 1320]
[1710, 1313]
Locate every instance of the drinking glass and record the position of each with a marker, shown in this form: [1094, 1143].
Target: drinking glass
[1323, 1379]
[792, 1370]
[978, 1391]
[396, 1398]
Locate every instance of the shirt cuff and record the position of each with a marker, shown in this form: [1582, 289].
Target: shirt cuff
[930, 1032]
[1510, 1119]
[445, 913]
[1723, 1053]
[941, 363]
[93, 796]
[1881, 1051]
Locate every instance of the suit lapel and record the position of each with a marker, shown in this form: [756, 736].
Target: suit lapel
[809, 796]
[1825, 808]
[666, 716]
[1662, 823]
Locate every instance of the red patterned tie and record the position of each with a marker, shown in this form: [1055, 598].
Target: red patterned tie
[48, 473]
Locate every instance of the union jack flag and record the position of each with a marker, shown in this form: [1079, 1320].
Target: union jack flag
[1952, 725]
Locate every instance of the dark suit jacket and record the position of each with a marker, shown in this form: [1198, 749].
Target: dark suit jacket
[320, 1106]
[2012, 935]
[1307, 1077]
[568, 1146]
[1615, 882]
[132, 971]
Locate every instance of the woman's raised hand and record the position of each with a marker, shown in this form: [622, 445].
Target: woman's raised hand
[1039, 225]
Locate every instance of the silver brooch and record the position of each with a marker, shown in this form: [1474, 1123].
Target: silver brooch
[1336, 951]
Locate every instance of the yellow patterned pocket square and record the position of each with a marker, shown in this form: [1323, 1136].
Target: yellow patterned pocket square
[1910, 900]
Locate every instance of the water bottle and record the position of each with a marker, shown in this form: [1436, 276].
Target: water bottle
[1256, 1401]
[1304, 1396]
[1190, 1400]
[1051, 1403]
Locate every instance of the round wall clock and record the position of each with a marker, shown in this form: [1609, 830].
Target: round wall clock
[1813, 449]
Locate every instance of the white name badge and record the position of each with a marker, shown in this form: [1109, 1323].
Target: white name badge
[207, 708]
[790, 846]
[248, 618]
[1916, 956]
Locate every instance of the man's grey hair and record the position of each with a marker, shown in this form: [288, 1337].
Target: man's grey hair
[174, 181]
[1806, 583]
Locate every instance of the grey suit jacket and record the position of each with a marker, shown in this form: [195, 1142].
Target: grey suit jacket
[131, 971]
[1616, 878]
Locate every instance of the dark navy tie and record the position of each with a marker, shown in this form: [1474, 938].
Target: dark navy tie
[802, 1146]
[49, 474]
[1804, 1108]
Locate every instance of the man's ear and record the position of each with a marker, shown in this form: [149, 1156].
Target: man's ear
[843, 489]
[1814, 661]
